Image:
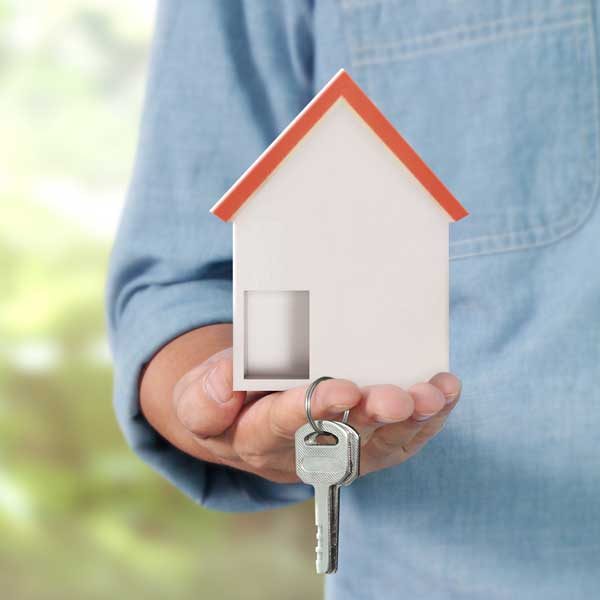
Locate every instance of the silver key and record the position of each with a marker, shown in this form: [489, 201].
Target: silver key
[326, 467]
[354, 449]
[354, 438]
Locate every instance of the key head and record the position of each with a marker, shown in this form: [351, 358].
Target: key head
[354, 442]
[321, 464]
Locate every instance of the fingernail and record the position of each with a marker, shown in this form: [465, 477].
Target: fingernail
[217, 387]
[386, 420]
[185, 404]
[424, 416]
[452, 397]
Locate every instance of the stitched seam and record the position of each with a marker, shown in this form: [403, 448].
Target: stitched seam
[392, 57]
[533, 18]
[527, 245]
[350, 5]
[510, 234]
[513, 235]
[578, 220]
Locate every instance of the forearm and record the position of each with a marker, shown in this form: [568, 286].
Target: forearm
[170, 269]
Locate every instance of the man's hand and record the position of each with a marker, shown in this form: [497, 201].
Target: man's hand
[186, 395]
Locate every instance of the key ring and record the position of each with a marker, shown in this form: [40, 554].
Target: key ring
[307, 399]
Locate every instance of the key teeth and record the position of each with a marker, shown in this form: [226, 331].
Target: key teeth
[319, 547]
[320, 550]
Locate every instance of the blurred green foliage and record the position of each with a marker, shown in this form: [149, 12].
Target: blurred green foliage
[80, 515]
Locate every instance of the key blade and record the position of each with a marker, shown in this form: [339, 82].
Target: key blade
[326, 515]
[334, 531]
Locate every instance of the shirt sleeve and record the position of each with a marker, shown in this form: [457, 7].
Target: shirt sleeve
[225, 78]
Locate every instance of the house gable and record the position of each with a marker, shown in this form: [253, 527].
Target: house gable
[341, 86]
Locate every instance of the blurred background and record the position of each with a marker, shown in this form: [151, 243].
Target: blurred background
[80, 515]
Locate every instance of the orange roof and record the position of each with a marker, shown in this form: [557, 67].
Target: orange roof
[341, 86]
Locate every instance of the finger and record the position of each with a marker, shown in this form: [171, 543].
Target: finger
[429, 400]
[451, 388]
[431, 409]
[331, 398]
[449, 385]
[205, 403]
[392, 439]
[381, 405]
[396, 442]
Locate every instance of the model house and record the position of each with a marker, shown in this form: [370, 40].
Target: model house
[340, 252]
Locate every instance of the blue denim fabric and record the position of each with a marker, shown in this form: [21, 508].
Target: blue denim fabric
[500, 97]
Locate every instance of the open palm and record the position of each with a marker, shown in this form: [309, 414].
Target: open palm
[255, 431]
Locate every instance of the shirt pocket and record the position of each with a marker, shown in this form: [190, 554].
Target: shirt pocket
[499, 97]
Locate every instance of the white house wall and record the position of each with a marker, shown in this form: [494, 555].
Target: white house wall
[342, 218]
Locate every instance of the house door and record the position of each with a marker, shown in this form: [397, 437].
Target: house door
[276, 334]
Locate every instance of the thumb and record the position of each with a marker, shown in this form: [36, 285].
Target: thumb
[205, 403]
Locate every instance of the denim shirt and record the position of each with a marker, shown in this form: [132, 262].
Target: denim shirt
[500, 97]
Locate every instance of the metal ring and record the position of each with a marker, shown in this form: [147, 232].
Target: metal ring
[307, 399]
